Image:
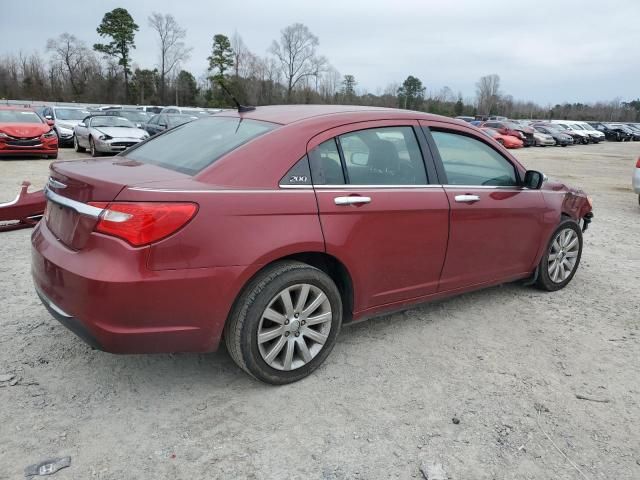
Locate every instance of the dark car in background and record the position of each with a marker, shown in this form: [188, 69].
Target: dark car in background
[561, 139]
[165, 121]
[506, 127]
[611, 133]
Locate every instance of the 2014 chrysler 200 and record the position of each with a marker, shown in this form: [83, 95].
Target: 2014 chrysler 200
[271, 228]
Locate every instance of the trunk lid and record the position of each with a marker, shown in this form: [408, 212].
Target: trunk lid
[76, 183]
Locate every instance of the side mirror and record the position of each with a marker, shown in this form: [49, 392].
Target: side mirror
[533, 179]
[50, 122]
[48, 117]
[163, 125]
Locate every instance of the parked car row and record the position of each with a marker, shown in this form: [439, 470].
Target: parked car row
[554, 132]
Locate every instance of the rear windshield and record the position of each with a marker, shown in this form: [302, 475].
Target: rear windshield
[194, 146]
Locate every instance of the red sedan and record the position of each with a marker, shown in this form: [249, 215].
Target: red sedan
[24, 132]
[274, 227]
[508, 141]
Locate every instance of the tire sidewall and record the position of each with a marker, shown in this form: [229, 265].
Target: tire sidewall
[545, 279]
[249, 335]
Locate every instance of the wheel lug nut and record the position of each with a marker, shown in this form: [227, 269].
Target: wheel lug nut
[297, 334]
[296, 315]
[286, 322]
[303, 322]
[286, 334]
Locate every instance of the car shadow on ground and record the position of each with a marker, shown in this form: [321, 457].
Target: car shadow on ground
[216, 370]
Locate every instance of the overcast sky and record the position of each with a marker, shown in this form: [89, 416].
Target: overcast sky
[546, 51]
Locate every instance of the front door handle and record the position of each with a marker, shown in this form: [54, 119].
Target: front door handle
[351, 200]
[467, 198]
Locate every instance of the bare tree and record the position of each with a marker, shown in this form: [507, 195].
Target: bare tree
[172, 48]
[74, 57]
[241, 55]
[296, 53]
[488, 93]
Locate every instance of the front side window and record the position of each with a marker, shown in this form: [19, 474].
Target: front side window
[383, 156]
[191, 147]
[468, 161]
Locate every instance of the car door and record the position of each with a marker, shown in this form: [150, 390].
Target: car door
[379, 213]
[495, 223]
[81, 131]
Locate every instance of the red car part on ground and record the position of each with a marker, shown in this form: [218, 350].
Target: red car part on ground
[24, 211]
[277, 225]
[24, 132]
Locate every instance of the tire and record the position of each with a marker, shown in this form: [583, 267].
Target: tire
[92, 148]
[549, 278]
[249, 318]
[76, 145]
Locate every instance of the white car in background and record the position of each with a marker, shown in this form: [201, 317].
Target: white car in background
[595, 134]
[569, 125]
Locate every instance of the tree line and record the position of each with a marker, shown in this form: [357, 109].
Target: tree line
[292, 71]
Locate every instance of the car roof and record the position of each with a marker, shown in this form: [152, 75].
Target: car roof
[286, 114]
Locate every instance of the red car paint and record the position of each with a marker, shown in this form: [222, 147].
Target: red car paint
[509, 141]
[409, 245]
[18, 137]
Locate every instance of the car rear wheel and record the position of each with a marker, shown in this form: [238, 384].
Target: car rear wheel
[92, 148]
[76, 145]
[285, 323]
[560, 262]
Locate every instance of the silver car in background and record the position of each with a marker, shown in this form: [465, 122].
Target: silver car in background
[106, 134]
[65, 119]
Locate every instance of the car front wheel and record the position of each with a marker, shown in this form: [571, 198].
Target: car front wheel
[562, 257]
[285, 323]
[92, 147]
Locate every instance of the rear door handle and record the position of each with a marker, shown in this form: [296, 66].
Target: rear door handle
[351, 200]
[467, 198]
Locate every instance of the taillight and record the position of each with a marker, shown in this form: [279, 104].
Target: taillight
[638, 163]
[141, 223]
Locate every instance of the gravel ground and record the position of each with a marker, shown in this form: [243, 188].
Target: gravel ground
[506, 363]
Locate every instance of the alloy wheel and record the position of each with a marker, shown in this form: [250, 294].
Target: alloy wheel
[563, 255]
[294, 327]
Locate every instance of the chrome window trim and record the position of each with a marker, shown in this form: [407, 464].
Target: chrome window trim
[78, 207]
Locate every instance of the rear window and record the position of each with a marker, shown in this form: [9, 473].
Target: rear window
[194, 146]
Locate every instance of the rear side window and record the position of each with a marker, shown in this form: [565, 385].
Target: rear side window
[194, 146]
[326, 168]
[468, 161]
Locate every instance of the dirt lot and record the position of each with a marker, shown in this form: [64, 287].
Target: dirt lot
[507, 362]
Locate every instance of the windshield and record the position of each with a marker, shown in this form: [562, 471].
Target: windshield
[19, 116]
[194, 146]
[490, 132]
[512, 126]
[70, 113]
[111, 122]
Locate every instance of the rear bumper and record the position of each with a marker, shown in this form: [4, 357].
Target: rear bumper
[105, 294]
